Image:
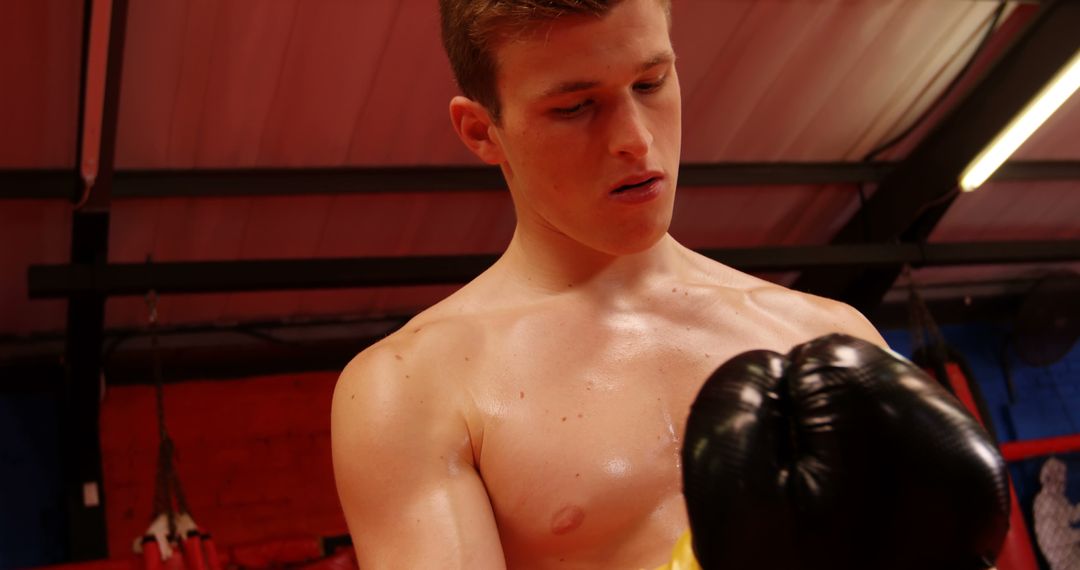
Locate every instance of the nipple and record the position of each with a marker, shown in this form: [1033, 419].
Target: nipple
[567, 520]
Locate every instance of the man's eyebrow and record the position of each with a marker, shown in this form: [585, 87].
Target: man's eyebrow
[569, 87]
[575, 86]
[658, 59]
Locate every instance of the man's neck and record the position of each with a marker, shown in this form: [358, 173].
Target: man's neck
[558, 264]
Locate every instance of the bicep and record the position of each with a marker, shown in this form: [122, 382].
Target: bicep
[402, 462]
[431, 522]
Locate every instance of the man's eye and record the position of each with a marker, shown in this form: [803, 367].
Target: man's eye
[567, 112]
[649, 87]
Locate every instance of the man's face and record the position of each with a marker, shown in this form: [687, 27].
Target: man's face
[591, 127]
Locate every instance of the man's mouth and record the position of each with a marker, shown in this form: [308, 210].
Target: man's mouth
[641, 184]
[642, 181]
[638, 188]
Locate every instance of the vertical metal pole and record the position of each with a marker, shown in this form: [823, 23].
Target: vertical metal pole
[103, 49]
[83, 480]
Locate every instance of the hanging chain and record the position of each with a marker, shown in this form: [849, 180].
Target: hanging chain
[925, 333]
[168, 480]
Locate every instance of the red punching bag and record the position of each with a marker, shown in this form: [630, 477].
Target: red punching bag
[949, 368]
[1017, 552]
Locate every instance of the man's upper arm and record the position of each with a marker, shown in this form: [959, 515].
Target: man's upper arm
[402, 462]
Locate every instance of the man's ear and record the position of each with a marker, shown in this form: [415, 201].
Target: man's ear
[476, 129]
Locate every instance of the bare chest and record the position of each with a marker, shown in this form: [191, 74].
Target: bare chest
[582, 435]
[582, 415]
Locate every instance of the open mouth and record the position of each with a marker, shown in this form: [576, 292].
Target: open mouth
[628, 187]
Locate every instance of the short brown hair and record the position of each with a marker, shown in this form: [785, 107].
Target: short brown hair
[472, 28]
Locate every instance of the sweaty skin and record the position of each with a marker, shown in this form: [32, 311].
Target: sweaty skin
[533, 419]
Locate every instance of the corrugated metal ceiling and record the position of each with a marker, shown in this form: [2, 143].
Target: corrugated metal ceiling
[247, 83]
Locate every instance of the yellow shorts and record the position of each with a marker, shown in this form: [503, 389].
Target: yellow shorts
[682, 556]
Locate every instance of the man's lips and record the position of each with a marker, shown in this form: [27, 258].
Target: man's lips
[639, 192]
[636, 181]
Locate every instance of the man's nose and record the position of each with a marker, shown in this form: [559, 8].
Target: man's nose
[630, 136]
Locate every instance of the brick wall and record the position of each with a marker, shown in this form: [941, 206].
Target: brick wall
[253, 457]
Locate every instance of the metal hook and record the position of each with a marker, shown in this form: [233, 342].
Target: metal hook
[151, 304]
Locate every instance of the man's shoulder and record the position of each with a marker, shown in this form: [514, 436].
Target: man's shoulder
[423, 343]
[428, 344]
[798, 303]
[777, 299]
[816, 314]
[813, 313]
[413, 374]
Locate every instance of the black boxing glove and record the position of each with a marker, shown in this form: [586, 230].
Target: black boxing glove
[840, 455]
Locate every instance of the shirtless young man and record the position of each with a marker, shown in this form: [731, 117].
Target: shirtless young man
[533, 419]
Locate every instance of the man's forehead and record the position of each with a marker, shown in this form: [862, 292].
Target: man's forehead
[575, 52]
[564, 86]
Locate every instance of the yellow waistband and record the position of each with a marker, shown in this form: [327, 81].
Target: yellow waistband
[682, 556]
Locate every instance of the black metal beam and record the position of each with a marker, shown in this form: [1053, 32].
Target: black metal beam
[229, 362]
[262, 275]
[284, 182]
[56, 184]
[223, 353]
[33, 375]
[225, 361]
[83, 477]
[35, 184]
[1034, 170]
[58, 281]
[779, 173]
[793, 258]
[911, 200]
[962, 310]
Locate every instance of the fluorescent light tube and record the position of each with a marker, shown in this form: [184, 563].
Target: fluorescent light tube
[1064, 84]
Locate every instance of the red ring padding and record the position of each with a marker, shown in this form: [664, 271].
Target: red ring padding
[1021, 450]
